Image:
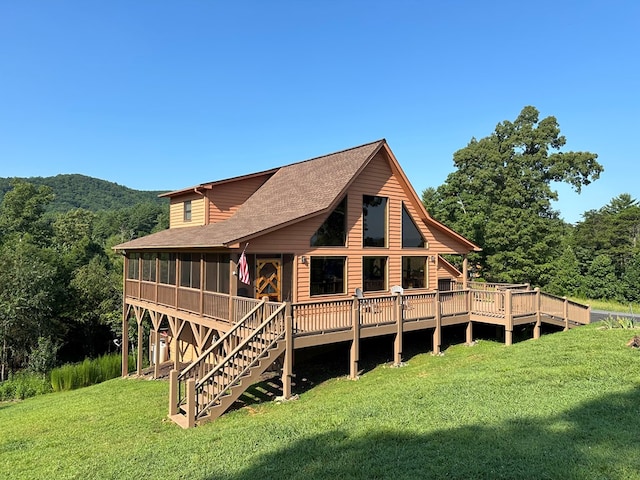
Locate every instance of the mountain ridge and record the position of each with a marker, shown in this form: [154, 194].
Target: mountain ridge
[74, 190]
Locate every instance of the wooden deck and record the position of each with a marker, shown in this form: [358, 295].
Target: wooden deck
[233, 353]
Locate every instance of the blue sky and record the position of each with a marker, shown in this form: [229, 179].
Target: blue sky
[159, 95]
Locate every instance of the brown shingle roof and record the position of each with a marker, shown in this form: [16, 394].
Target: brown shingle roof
[292, 193]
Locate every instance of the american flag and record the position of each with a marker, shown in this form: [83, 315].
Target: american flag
[243, 267]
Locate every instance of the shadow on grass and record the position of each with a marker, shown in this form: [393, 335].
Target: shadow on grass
[315, 365]
[596, 440]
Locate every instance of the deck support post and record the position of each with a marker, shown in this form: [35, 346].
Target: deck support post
[508, 337]
[354, 354]
[469, 329]
[125, 341]
[191, 403]
[465, 272]
[176, 357]
[508, 318]
[287, 367]
[437, 333]
[156, 354]
[124, 369]
[565, 313]
[397, 344]
[140, 337]
[173, 392]
[538, 325]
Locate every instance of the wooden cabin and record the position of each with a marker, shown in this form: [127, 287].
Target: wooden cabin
[335, 248]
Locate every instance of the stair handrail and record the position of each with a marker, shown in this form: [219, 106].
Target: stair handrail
[221, 340]
[243, 343]
[278, 336]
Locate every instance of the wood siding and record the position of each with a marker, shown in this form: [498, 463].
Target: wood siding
[376, 179]
[176, 211]
[226, 198]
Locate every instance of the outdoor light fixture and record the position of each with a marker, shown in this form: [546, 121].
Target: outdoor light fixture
[303, 259]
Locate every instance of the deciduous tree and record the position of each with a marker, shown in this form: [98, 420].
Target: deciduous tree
[500, 196]
[27, 286]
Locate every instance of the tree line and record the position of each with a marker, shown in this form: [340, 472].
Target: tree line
[60, 281]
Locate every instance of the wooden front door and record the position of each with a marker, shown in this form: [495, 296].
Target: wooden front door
[269, 278]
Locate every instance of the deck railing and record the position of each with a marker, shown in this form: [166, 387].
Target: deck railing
[490, 287]
[565, 309]
[336, 315]
[419, 306]
[316, 317]
[487, 303]
[215, 305]
[454, 303]
[524, 303]
[323, 316]
[578, 313]
[486, 298]
[377, 311]
[200, 302]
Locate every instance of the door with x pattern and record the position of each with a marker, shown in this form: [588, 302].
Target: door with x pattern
[269, 279]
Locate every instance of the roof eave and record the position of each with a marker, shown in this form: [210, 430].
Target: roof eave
[211, 185]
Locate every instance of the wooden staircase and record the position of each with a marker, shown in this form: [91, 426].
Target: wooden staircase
[210, 385]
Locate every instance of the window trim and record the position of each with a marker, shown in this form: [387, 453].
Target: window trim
[425, 242]
[187, 211]
[149, 271]
[386, 222]
[385, 273]
[425, 278]
[167, 267]
[194, 273]
[133, 266]
[344, 258]
[220, 273]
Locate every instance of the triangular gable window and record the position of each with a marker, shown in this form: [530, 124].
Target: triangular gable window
[333, 232]
[411, 236]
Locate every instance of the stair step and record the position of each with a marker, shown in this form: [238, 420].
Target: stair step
[180, 420]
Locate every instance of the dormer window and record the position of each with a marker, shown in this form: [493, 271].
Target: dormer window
[187, 211]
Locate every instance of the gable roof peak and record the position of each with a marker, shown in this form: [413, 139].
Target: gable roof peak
[270, 171]
[339, 152]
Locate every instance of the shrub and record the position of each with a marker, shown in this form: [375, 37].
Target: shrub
[618, 322]
[88, 372]
[43, 356]
[23, 385]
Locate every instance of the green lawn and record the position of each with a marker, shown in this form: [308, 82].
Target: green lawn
[608, 305]
[566, 406]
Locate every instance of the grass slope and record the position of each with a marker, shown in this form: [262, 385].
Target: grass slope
[565, 406]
